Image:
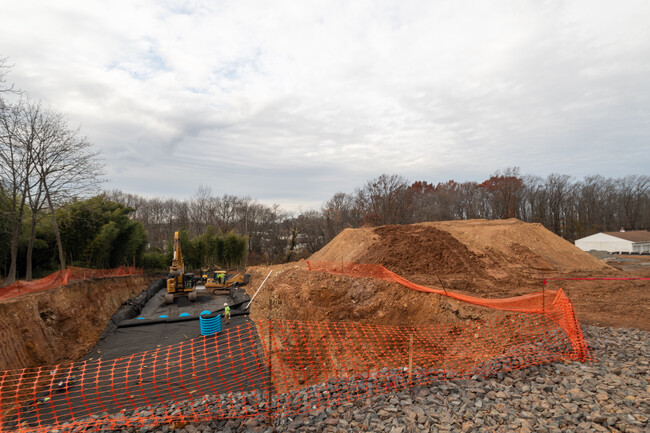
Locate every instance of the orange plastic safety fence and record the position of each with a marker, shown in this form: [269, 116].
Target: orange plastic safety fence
[552, 303]
[271, 369]
[283, 368]
[61, 278]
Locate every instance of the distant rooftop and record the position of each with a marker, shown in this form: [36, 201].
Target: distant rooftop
[632, 236]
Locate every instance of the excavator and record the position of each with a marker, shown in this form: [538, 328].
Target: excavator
[219, 281]
[205, 273]
[178, 282]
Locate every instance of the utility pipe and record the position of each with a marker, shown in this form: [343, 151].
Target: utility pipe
[258, 290]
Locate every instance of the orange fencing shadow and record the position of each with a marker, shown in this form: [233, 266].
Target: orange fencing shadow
[61, 278]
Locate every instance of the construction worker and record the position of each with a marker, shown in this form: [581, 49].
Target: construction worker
[221, 277]
[64, 384]
[42, 400]
[226, 312]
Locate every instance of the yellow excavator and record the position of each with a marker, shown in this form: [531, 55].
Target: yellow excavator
[205, 273]
[178, 282]
[220, 281]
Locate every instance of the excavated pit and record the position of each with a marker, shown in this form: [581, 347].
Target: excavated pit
[488, 259]
[61, 324]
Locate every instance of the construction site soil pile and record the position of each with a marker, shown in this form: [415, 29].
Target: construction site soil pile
[491, 259]
[422, 252]
[60, 324]
[487, 258]
[292, 292]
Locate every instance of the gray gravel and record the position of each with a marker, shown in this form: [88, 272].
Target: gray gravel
[610, 395]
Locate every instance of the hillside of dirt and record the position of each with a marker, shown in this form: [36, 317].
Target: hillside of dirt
[61, 324]
[524, 246]
[491, 259]
[487, 258]
[292, 292]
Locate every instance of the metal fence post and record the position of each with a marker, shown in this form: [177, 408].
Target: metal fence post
[270, 389]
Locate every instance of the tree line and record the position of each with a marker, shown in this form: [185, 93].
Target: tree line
[569, 207]
[207, 250]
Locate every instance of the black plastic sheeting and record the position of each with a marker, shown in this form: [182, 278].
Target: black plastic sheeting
[125, 335]
[132, 308]
[239, 299]
[231, 360]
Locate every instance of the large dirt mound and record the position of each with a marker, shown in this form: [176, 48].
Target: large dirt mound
[489, 258]
[528, 245]
[415, 249]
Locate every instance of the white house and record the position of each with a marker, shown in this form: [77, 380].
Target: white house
[617, 242]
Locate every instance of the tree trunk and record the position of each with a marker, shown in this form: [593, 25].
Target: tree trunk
[292, 245]
[16, 228]
[55, 226]
[30, 249]
[15, 235]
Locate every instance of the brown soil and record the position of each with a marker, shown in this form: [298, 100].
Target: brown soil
[492, 259]
[617, 303]
[527, 247]
[292, 292]
[60, 324]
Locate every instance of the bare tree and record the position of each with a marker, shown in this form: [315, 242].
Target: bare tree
[591, 195]
[36, 202]
[384, 200]
[632, 190]
[16, 166]
[340, 213]
[472, 201]
[558, 189]
[14, 160]
[306, 234]
[445, 201]
[244, 206]
[5, 88]
[201, 208]
[66, 166]
[226, 212]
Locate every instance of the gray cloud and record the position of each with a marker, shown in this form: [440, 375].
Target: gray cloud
[290, 103]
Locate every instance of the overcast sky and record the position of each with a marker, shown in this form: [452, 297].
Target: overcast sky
[291, 102]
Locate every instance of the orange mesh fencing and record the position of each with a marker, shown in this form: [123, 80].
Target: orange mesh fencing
[273, 368]
[552, 303]
[61, 278]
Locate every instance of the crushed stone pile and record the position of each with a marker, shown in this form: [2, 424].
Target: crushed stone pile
[610, 395]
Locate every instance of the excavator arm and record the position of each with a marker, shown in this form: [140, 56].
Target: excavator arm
[177, 282]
